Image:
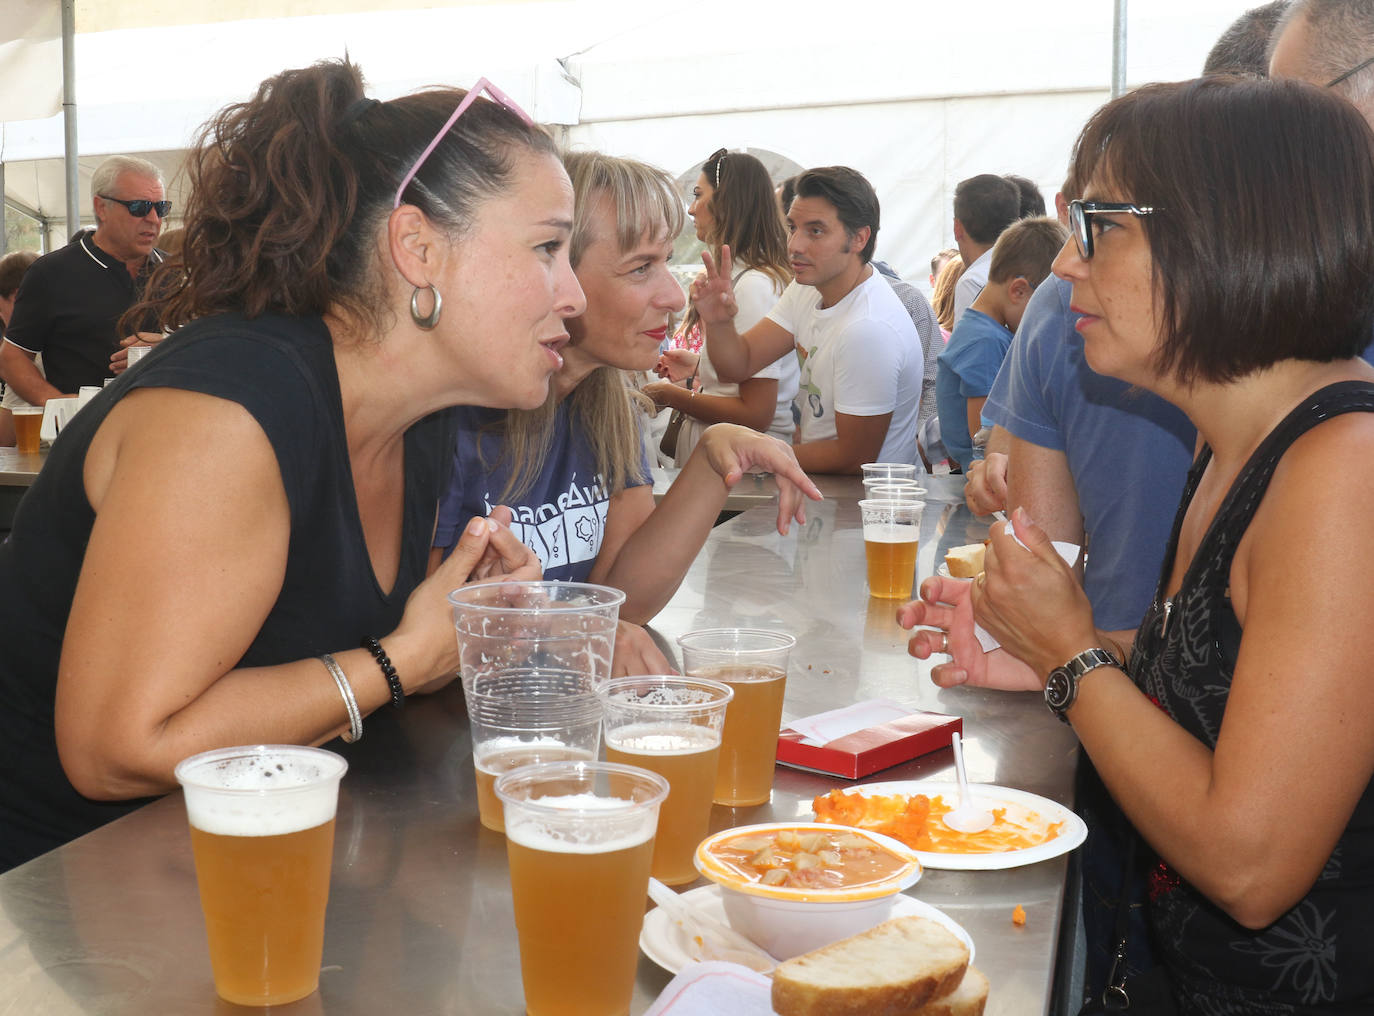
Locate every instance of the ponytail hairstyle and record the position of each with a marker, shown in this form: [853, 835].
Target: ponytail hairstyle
[289, 189]
[745, 211]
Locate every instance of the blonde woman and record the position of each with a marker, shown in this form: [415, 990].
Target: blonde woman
[574, 471]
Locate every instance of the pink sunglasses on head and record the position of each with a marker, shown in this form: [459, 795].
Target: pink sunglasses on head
[482, 85]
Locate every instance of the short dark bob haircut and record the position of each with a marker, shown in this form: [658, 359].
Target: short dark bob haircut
[1263, 242]
[855, 201]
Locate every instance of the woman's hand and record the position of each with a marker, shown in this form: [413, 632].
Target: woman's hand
[732, 450]
[1029, 599]
[677, 364]
[712, 293]
[119, 360]
[636, 653]
[946, 609]
[658, 391]
[486, 551]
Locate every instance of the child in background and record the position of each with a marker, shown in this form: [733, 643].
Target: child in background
[969, 363]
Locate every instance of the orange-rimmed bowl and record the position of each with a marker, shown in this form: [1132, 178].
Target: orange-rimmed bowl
[849, 894]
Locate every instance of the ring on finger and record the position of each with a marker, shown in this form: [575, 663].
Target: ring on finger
[944, 642]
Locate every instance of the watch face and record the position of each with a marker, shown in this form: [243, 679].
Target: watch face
[1058, 688]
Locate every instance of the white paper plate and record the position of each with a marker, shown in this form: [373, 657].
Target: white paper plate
[666, 944]
[990, 795]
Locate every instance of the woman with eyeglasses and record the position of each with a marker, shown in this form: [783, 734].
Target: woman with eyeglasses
[574, 471]
[1234, 732]
[229, 544]
[732, 205]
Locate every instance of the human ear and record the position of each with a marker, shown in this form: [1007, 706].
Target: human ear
[413, 245]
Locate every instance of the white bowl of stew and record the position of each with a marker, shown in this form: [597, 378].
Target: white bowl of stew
[791, 887]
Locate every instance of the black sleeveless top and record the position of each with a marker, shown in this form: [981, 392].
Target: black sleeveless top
[1319, 956]
[281, 369]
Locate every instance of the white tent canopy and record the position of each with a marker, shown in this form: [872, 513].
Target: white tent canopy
[917, 96]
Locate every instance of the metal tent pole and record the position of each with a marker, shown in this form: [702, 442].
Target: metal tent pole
[69, 114]
[1119, 49]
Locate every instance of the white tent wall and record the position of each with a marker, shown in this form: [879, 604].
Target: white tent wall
[915, 94]
[912, 152]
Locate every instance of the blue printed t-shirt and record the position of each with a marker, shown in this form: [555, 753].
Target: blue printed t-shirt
[1127, 450]
[966, 369]
[561, 517]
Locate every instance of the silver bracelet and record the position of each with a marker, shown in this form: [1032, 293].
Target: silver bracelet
[355, 718]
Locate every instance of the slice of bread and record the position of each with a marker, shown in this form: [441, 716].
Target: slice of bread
[968, 999]
[967, 561]
[892, 969]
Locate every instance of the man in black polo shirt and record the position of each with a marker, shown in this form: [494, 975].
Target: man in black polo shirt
[71, 300]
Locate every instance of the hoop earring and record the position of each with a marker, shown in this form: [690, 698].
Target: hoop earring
[421, 321]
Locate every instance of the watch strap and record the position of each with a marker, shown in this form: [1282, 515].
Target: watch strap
[1061, 689]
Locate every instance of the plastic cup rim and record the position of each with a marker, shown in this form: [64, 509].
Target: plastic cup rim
[577, 769]
[782, 641]
[607, 688]
[333, 764]
[457, 598]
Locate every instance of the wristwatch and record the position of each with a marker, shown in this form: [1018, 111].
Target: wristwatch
[1061, 690]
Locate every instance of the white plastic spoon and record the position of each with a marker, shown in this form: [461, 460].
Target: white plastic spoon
[967, 817]
[709, 939]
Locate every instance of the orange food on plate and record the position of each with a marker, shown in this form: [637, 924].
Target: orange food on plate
[915, 820]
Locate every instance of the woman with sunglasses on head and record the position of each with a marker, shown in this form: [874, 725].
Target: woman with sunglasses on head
[732, 205]
[229, 544]
[1234, 735]
[574, 471]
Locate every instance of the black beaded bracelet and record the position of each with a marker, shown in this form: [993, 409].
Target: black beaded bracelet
[398, 695]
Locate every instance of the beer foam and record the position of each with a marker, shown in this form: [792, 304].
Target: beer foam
[883, 532]
[617, 830]
[656, 739]
[230, 798]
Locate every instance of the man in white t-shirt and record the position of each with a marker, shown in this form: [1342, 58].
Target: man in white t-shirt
[863, 365]
[984, 205]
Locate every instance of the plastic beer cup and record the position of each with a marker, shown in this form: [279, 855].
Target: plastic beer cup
[753, 664]
[28, 426]
[670, 726]
[579, 838]
[886, 472]
[565, 626]
[892, 532]
[519, 717]
[262, 831]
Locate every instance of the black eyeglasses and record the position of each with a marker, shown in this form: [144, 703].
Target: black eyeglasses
[1080, 212]
[139, 207]
[1353, 71]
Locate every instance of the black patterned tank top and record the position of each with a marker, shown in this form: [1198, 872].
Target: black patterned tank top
[1319, 956]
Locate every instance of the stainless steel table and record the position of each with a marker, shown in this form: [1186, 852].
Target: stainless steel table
[420, 918]
[18, 469]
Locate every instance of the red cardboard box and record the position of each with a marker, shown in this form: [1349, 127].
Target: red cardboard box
[873, 748]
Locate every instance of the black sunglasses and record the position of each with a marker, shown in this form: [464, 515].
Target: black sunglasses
[1353, 71]
[1080, 212]
[139, 207]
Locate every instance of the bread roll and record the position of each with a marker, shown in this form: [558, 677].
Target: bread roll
[968, 999]
[967, 561]
[889, 970]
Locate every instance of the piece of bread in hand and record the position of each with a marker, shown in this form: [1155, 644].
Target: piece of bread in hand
[967, 561]
[892, 969]
[968, 999]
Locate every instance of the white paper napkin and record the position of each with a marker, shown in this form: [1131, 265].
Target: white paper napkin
[1068, 551]
[822, 728]
[712, 988]
[56, 414]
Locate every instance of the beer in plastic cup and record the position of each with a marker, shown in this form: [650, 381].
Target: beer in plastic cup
[892, 531]
[753, 664]
[579, 838]
[670, 726]
[28, 424]
[262, 831]
[519, 717]
[564, 626]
